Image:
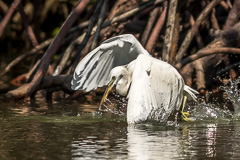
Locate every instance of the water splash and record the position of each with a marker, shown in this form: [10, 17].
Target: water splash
[232, 90]
[198, 111]
[115, 104]
[209, 111]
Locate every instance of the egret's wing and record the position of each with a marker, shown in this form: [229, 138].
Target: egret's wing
[156, 90]
[141, 98]
[93, 70]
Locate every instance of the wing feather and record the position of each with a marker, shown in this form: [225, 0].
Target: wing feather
[156, 90]
[93, 70]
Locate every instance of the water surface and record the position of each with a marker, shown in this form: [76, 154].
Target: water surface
[72, 131]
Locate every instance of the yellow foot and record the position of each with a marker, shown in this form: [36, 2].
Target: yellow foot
[184, 116]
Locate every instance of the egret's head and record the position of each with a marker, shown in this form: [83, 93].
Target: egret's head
[118, 73]
[120, 77]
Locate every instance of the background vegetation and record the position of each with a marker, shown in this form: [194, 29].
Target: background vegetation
[42, 41]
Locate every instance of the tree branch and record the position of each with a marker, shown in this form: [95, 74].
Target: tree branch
[157, 29]
[99, 24]
[45, 61]
[169, 30]
[148, 28]
[207, 52]
[8, 15]
[194, 29]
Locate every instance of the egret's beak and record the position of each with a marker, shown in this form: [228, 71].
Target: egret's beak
[108, 89]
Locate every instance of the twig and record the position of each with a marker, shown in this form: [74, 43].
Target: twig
[193, 30]
[8, 16]
[99, 23]
[29, 29]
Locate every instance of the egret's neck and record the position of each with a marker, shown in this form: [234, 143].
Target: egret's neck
[125, 81]
[123, 84]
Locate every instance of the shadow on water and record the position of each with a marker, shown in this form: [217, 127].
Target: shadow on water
[73, 131]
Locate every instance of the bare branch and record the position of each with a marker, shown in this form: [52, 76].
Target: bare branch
[157, 29]
[207, 52]
[8, 15]
[169, 30]
[99, 23]
[55, 45]
[151, 20]
[29, 29]
[194, 29]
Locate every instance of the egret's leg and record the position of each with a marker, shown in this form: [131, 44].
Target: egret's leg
[185, 114]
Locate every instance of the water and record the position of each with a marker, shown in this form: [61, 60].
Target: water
[74, 131]
[233, 94]
[71, 131]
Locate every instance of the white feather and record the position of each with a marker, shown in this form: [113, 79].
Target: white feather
[93, 70]
[156, 89]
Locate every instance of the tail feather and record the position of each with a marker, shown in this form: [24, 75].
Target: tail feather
[191, 92]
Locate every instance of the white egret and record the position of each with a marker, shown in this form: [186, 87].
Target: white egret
[153, 87]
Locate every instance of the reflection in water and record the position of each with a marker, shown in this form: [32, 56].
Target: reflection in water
[152, 144]
[212, 140]
[188, 141]
[211, 135]
[58, 133]
[104, 140]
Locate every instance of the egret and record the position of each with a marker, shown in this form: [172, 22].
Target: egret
[154, 88]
